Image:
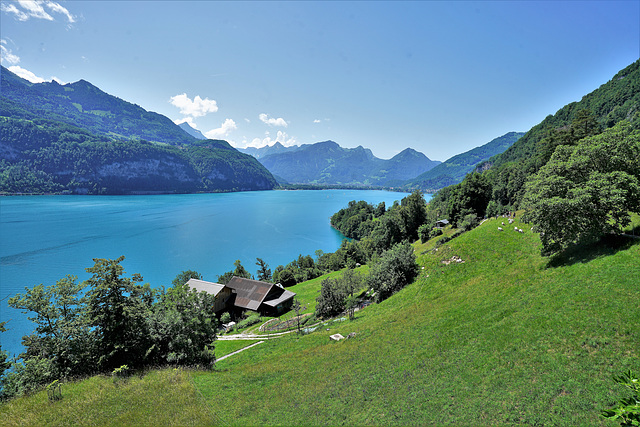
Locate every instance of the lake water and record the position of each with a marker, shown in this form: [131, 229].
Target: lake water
[44, 238]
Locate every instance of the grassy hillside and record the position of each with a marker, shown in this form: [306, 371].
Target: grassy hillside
[507, 337]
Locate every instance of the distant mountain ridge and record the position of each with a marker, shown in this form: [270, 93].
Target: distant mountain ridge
[191, 130]
[267, 150]
[453, 170]
[327, 163]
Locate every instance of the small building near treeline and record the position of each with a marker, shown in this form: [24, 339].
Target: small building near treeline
[441, 223]
[245, 294]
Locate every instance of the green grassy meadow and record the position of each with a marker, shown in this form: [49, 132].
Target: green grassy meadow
[160, 397]
[506, 337]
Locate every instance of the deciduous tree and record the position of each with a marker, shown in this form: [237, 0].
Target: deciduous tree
[118, 307]
[586, 191]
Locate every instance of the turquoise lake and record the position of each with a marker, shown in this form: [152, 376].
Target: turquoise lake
[44, 238]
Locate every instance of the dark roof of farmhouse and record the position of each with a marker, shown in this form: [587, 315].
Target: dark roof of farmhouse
[251, 293]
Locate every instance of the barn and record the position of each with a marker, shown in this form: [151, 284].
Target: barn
[245, 294]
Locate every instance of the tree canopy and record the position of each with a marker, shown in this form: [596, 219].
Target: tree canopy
[587, 190]
[105, 322]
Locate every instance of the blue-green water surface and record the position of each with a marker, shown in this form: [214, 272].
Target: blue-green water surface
[44, 238]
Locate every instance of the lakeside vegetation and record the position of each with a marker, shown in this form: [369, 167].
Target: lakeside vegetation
[507, 337]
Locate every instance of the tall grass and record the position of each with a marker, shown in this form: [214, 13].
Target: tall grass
[161, 397]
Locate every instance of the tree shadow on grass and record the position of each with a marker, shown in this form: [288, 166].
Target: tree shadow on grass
[607, 245]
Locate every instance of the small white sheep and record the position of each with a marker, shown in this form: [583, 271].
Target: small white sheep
[499, 228]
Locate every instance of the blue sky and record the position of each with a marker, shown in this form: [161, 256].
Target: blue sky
[439, 77]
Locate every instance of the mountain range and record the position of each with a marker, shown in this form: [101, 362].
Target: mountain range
[75, 137]
[327, 163]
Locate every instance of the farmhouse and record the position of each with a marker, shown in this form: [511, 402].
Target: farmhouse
[263, 297]
[246, 294]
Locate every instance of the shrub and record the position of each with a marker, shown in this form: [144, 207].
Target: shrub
[424, 232]
[251, 320]
[435, 233]
[469, 222]
[121, 373]
[396, 269]
[225, 317]
[627, 410]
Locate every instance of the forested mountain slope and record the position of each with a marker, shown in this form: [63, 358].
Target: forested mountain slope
[76, 138]
[84, 105]
[612, 102]
[502, 182]
[453, 170]
[41, 156]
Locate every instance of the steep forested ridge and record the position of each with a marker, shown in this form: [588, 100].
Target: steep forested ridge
[49, 143]
[86, 106]
[612, 102]
[501, 184]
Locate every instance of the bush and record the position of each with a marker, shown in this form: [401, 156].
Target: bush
[396, 269]
[251, 320]
[627, 410]
[27, 377]
[435, 233]
[469, 222]
[424, 232]
[225, 317]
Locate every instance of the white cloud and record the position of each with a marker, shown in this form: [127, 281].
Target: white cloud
[197, 107]
[55, 7]
[36, 9]
[271, 121]
[11, 8]
[281, 137]
[58, 80]
[224, 130]
[6, 56]
[317, 121]
[26, 74]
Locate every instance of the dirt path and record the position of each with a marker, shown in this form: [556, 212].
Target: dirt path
[238, 351]
[259, 337]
